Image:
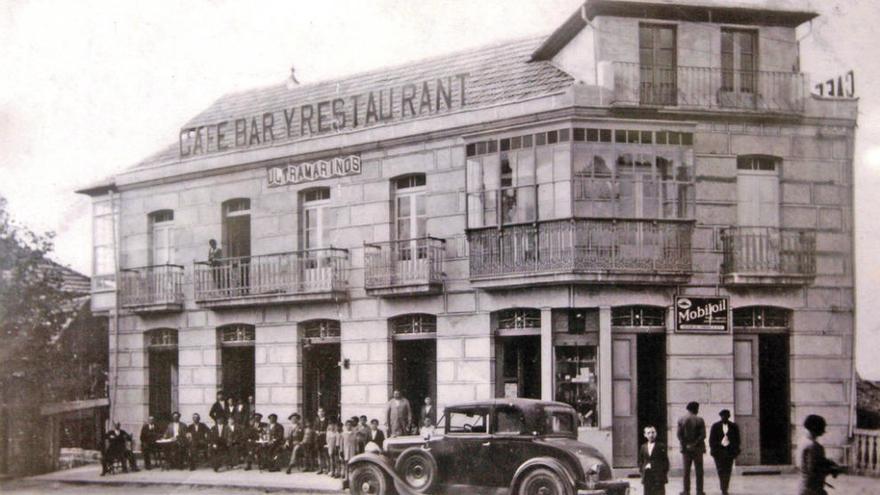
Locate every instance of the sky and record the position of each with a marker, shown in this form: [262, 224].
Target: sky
[88, 87]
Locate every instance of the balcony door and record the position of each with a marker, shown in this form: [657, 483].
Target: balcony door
[409, 251]
[757, 192]
[162, 237]
[739, 63]
[316, 224]
[657, 61]
[237, 243]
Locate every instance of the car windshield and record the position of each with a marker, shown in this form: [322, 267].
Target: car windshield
[559, 421]
[470, 421]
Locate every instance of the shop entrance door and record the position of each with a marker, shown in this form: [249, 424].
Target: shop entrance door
[639, 392]
[518, 367]
[322, 379]
[162, 366]
[746, 398]
[238, 371]
[774, 399]
[415, 371]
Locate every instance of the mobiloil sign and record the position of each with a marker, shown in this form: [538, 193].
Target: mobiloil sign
[701, 314]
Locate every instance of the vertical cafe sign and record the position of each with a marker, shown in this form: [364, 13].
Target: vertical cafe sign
[702, 314]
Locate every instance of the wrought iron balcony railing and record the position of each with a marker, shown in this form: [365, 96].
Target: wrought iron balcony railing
[152, 288]
[756, 255]
[708, 88]
[404, 266]
[272, 278]
[584, 250]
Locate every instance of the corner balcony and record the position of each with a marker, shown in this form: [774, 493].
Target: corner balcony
[298, 276]
[152, 289]
[705, 88]
[768, 256]
[404, 267]
[581, 251]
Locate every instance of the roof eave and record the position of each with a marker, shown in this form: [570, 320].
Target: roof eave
[98, 188]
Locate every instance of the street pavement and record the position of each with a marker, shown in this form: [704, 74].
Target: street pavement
[86, 481]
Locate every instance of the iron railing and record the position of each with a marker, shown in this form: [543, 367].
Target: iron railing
[768, 251]
[151, 285]
[582, 245]
[708, 88]
[297, 272]
[403, 262]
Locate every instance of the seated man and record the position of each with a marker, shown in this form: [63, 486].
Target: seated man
[174, 442]
[197, 436]
[252, 437]
[273, 436]
[116, 448]
[220, 436]
[149, 435]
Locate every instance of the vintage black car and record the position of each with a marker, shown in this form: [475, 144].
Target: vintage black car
[527, 446]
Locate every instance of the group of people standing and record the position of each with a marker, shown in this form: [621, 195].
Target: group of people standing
[724, 446]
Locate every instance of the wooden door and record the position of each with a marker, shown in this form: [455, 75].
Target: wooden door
[746, 397]
[657, 60]
[625, 411]
[757, 198]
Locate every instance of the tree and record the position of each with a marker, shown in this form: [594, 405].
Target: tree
[33, 311]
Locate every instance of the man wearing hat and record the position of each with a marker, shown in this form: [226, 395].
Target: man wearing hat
[692, 439]
[274, 438]
[253, 435]
[724, 444]
[813, 463]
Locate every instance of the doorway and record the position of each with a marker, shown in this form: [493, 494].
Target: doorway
[651, 395]
[519, 367]
[775, 414]
[162, 366]
[238, 371]
[415, 370]
[322, 380]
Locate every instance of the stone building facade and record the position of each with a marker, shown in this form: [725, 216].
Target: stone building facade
[525, 219]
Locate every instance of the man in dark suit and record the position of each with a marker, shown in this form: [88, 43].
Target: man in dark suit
[237, 441]
[218, 409]
[174, 441]
[198, 435]
[220, 440]
[724, 444]
[149, 434]
[274, 437]
[653, 463]
[376, 435]
[692, 438]
[116, 448]
[252, 436]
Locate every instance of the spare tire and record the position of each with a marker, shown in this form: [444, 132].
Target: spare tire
[417, 469]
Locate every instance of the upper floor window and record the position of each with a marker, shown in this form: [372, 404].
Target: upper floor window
[757, 190]
[237, 228]
[161, 237]
[316, 219]
[739, 60]
[104, 217]
[410, 216]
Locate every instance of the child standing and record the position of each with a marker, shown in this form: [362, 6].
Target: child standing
[307, 446]
[332, 449]
[349, 446]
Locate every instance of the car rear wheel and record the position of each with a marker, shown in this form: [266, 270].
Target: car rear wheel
[542, 481]
[367, 479]
[418, 469]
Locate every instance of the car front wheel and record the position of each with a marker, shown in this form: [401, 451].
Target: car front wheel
[542, 481]
[418, 469]
[367, 479]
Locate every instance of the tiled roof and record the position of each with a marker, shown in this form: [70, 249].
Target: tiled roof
[496, 73]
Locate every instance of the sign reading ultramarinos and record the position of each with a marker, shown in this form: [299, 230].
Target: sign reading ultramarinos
[343, 112]
[297, 173]
[701, 314]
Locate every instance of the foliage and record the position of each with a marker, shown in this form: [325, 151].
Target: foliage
[32, 310]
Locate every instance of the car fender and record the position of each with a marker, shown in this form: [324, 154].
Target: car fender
[550, 463]
[382, 462]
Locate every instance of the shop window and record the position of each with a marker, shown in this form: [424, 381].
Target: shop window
[576, 380]
[638, 316]
[413, 324]
[761, 317]
[519, 318]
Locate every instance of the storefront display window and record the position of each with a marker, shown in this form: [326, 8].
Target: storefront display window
[576, 380]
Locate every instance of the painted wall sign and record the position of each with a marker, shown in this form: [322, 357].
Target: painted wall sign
[841, 86]
[297, 173]
[701, 314]
[410, 100]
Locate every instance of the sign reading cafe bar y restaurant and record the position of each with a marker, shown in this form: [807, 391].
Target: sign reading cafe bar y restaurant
[336, 113]
[296, 173]
[701, 314]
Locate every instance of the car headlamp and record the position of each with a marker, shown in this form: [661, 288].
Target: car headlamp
[592, 476]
